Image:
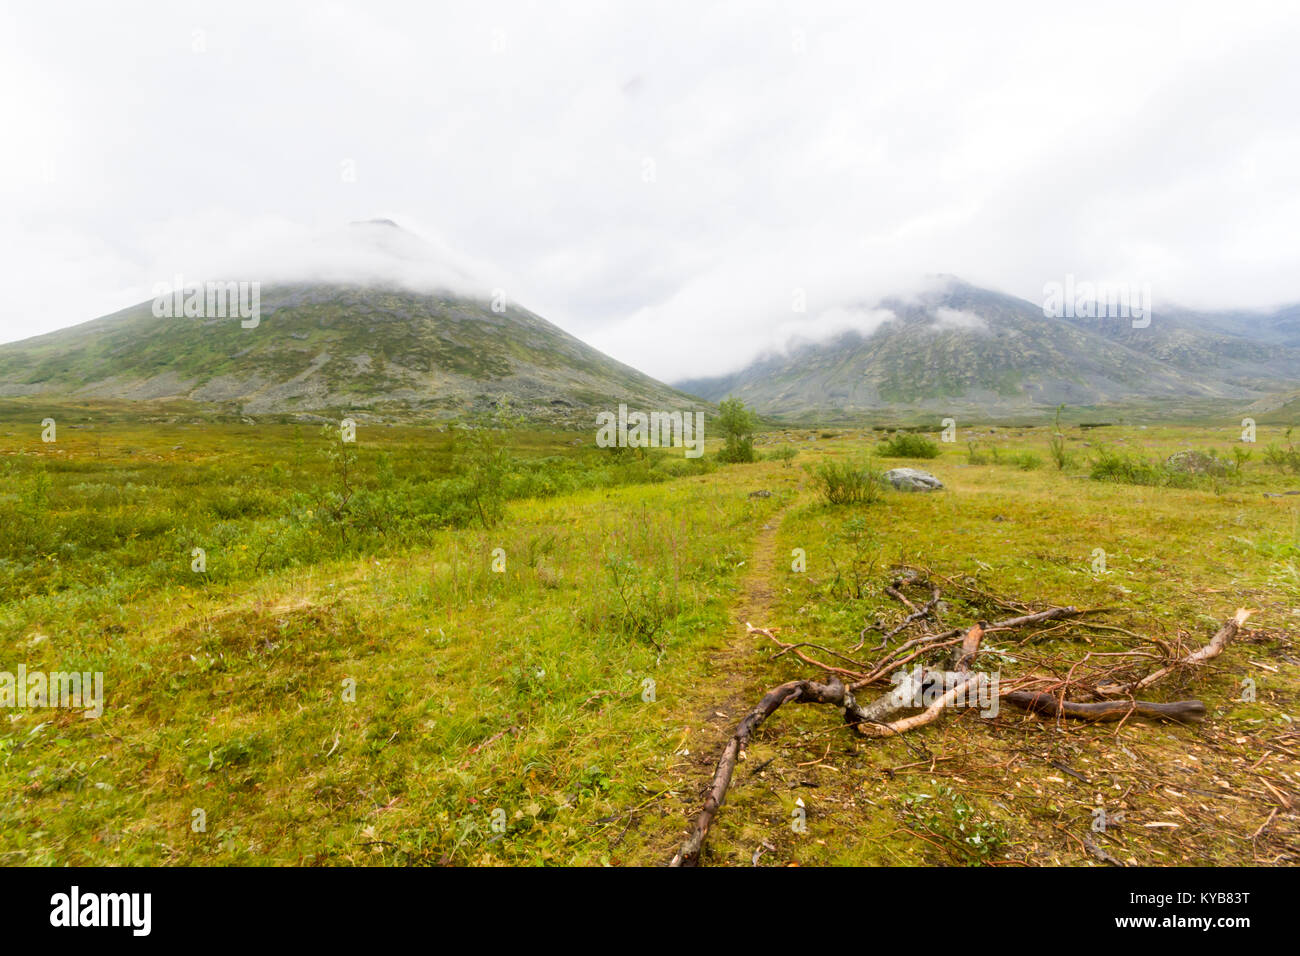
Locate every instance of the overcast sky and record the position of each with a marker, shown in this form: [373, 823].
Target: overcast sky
[655, 178]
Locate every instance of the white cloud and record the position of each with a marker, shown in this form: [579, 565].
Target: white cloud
[1007, 143]
[946, 318]
[830, 324]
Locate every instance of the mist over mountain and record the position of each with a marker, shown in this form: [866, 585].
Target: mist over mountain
[957, 347]
[371, 316]
[368, 317]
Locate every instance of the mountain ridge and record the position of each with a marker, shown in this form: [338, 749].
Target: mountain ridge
[319, 346]
[958, 347]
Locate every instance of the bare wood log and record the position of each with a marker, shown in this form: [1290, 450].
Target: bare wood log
[1099, 851]
[1048, 705]
[910, 690]
[794, 648]
[904, 693]
[1051, 614]
[803, 691]
[926, 641]
[897, 595]
[929, 715]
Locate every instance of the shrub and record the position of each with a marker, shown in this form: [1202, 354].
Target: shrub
[1283, 459]
[909, 445]
[963, 831]
[864, 553]
[485, 464]
[847, 482]
[1132, 469]
[1025, 461]
[644, 604]
[1126, 469]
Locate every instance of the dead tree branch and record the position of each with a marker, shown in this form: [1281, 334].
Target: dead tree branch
[1047, 705]
[912, 690]
[798, 690]
[1211, 650]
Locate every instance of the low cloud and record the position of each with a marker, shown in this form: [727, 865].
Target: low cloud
[658, 181]
[946, 318]
[829, 325]
[369, 252]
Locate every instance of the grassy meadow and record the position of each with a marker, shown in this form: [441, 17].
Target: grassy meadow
[378, 663]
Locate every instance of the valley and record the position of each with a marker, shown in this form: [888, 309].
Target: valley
[368, 672]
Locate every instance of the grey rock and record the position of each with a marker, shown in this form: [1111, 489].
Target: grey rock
[912, 479]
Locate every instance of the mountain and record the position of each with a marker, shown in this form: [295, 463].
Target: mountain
[319, 345]
[959, 348]
[1277, 327]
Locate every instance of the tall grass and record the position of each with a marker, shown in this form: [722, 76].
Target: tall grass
[1133, 469]
[1024, 460]
[68, 521]
[848, 482]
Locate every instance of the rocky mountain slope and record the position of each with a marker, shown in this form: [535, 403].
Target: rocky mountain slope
[959, 348]
[320, 346]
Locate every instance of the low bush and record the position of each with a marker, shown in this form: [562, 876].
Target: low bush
[909, 445]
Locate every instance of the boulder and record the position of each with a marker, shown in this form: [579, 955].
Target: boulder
[912, 479]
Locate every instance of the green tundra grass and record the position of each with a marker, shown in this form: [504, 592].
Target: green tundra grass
[369, 672]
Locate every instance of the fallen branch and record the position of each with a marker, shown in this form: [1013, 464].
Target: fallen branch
[1051, 614]
[1047, 705]
[970, 646]
[869, 720]
[927, 610]
[797, 690]
[1210, 651]
[927, 716]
